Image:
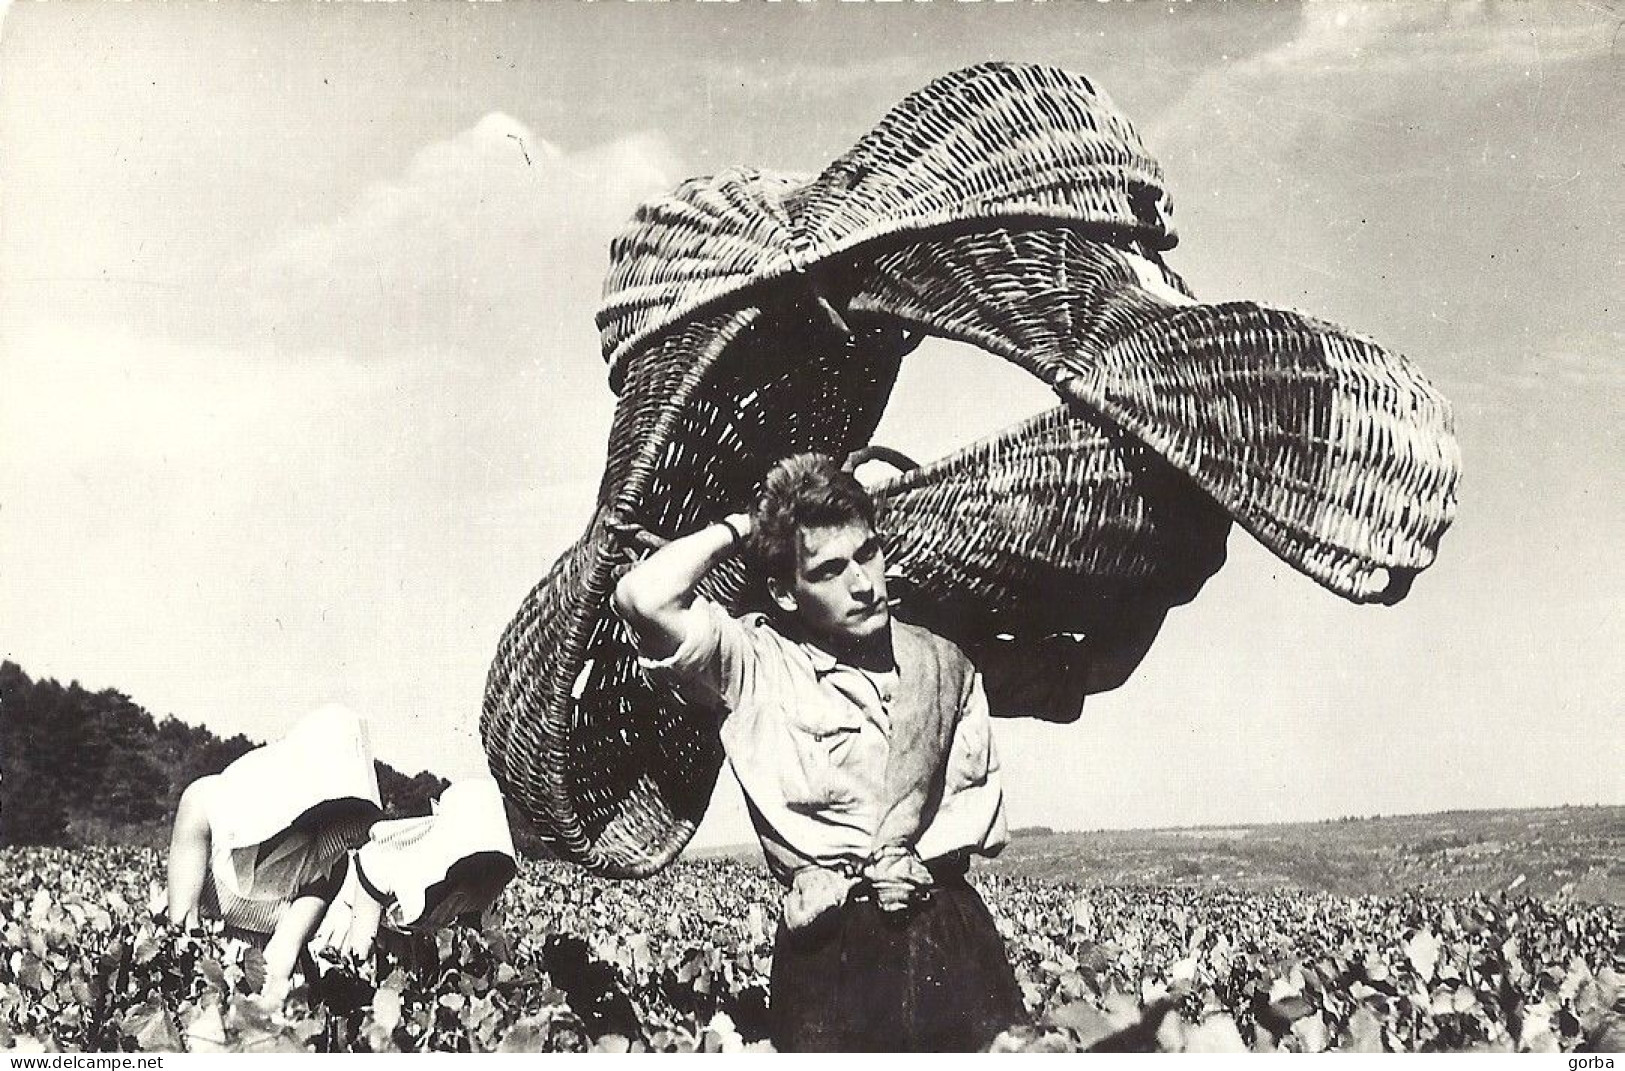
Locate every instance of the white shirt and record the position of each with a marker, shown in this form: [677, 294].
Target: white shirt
[811, 739]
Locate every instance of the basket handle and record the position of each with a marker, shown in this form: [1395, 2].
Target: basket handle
[874, 452]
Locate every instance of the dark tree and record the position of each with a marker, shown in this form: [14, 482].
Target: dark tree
[408, 797]
[77, 762]
[30, 811]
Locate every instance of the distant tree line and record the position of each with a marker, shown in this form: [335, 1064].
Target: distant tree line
[78, 766]
[1031, 831]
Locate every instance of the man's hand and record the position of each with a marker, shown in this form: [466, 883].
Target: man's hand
[897, 877]
[814, 893]
[632, 534]
[740, 525]
[653, 597]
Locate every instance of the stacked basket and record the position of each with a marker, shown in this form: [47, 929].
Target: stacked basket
[749, 316]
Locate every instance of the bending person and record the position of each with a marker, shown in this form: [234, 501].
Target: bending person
[417, 875]
[863, 746]
[256, 844]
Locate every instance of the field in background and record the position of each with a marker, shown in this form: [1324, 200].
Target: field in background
[1575, 851]
[681, 961]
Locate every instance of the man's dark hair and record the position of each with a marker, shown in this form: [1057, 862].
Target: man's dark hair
[802, 491]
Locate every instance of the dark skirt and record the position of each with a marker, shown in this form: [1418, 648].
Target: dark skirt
[934, 978]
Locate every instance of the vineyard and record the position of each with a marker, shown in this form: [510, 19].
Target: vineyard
[680, 963]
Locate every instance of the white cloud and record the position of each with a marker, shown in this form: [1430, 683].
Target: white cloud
[489, 247]
[1372, 36]
[1474, 222]
[1374, 63]
[107, 398]
[340, 479]
[231, 537]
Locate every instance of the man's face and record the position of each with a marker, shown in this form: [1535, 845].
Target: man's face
[839, 590]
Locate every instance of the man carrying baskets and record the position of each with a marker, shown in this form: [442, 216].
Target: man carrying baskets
[864, 749]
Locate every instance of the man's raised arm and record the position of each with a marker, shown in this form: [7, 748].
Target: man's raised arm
[655, 595]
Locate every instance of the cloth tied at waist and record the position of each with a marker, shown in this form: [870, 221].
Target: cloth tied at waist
[895, 878]
[921, 733]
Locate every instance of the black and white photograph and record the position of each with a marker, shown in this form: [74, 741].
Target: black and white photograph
[758, 526]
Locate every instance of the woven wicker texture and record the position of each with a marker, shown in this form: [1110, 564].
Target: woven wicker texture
[614, 775]
[1057, 545]
[988, 143]
[1334, 452]
[750, 316]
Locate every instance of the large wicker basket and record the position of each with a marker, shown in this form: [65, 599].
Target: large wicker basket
[749, 316]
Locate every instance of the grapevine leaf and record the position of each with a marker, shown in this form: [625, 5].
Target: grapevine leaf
[386, 1009]
[1285, 1012]
[205, 1029]
[1216, 1033]
[146, 950]
[148, 1024]
[526, 1035]
[254, 970]
[1423, 952]
[214, 975]
[1086, 1023]
[1311, 1033]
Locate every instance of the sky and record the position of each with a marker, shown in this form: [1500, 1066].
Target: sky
[300, 391]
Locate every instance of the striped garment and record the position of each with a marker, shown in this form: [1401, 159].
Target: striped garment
[319, 877]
